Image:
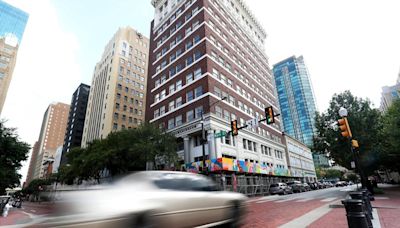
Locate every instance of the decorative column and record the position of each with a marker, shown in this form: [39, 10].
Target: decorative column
[186, 149]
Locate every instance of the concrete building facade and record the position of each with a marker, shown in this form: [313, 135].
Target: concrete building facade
[117, 94]
[300, 160]
[207, 67]
[12, 26]
[76, 120]
[32, 163]
[51, 137]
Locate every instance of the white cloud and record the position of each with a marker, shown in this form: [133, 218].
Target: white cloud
[46, 71]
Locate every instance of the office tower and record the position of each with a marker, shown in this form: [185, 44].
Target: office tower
[32, 163]
[12, 26]
[296, 98]
[76, 120]
[51, 137]
[389, 94]
[208, 67]
[117, 94]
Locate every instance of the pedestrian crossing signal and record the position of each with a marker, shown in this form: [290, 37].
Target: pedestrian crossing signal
[269, 113]
[234, 128]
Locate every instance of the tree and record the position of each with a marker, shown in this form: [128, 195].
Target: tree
[390, 153]
[121, 152]
[365, 124]
[12, 153]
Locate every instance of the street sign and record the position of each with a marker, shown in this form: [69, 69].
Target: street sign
[353, 165]
[220, 134]
[252, 123]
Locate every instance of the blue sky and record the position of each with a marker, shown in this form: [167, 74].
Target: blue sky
[347, 45]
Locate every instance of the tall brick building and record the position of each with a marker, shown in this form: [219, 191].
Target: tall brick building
[202, 51]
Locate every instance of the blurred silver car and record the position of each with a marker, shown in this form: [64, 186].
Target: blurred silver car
[151, 199]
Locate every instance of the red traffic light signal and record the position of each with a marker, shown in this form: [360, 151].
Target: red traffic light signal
[234, 128]
[269, 115]
[345, 128]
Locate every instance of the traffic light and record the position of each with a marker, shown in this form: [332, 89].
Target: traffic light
[269, 113]
[234, 128]
[344, 128]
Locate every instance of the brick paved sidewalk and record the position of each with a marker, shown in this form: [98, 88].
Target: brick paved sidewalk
[387, 206]
[25, 213]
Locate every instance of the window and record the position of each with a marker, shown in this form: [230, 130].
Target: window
[226, 115]
[198, 91]
[162, 94]
[171, 106]
[156, 113]
[189, 96]
[189, 116]
[245, 144]
[189, 60]
[171, 123]
[162, 110]
[130, 109]
[197, 73]
[171, 88]
[115, 126]
[178, 120]
[197, 55]
[189, 44]
[218, 111]
[178, 101]
[189, 78]
[178, 84]
[116, 116]
[117, 106]
[198, 112]
[172, 72]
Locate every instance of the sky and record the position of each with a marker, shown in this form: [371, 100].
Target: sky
[347, 45]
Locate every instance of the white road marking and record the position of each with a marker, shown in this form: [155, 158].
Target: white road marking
[285, 200]
[375, 222]
[33, 210]
[308, 218]
[381, 198]
[328, 199]
[304, 200]
[268, 199]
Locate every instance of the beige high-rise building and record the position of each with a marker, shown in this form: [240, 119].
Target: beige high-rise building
[51, 136]
[32, 164]
[118, 92]
[8, 56]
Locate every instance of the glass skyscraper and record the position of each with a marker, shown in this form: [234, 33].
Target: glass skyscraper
[296, 98]
[12, 22]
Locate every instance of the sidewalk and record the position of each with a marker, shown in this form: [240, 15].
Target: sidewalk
[387, 206]
[26, 213]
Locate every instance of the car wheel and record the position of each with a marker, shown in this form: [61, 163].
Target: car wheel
[235, 216]
[144, 221]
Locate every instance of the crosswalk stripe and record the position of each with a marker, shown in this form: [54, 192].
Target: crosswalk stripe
[328, 199]
[304, 200]
[285, 200]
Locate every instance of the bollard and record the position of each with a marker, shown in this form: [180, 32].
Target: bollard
[366, 198]
[363, 195]
[355, 213]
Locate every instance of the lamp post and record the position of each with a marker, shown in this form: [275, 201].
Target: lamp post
[203, 134]
[343, 113]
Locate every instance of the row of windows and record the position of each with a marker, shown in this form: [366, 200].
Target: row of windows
[240, 76]
[124, 117]
[175, 86]
[190, 95]
[137, 52]
[115, 125]
[129, 63]
[128, 71]
[133, 92]
[172, 19]
[131, 110]
[134, 83]
[190, 59]
[244, 35]
[190, 115]
[174, 43]
[131, 100]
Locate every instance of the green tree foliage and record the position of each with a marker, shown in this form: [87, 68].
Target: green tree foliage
[333, 173]
[391, 135]
[12, 153]
[121, 152]
[365, 124]
[33, 187]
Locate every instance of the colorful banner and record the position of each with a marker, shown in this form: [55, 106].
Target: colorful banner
[240, 166]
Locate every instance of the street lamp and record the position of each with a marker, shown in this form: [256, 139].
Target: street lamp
[203, 133]
[343, 113]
